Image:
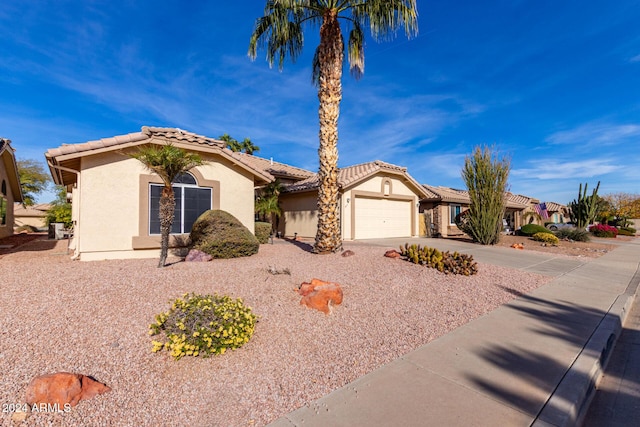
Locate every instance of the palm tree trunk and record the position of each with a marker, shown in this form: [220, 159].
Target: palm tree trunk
[330, 57]
[167, 213]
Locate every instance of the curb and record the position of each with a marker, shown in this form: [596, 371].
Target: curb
[570, 401]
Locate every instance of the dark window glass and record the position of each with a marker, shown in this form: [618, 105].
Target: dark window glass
[196, 201]
[185, 178]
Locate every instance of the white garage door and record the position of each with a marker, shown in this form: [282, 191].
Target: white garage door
[380, 218]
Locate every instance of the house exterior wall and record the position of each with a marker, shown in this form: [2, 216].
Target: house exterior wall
[6, 228]
[380, 186]
[111, 204]
[299, 214]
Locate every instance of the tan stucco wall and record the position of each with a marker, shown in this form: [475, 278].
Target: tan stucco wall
[378, 186]
[6, 229]
[299, 214]
[110, 204]
[33, 221]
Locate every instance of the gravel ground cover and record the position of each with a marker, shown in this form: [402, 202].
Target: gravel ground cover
[92, 318]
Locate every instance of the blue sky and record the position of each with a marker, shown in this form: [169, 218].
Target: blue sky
[554, 85]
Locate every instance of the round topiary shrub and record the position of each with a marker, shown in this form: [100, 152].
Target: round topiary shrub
[545, 237]
[263, 232]
[531, 229]
[221, 235]
[202, 325]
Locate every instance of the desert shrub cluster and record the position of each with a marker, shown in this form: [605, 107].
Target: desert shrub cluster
[445, 262]
[202, 325]
[263, 231]
[548, 238]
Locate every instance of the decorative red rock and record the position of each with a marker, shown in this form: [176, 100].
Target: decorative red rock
[392, 254]
[62, 388]
[320, 295]
[518, 246]
[195, 255]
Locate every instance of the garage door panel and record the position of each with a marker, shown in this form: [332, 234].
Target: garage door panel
[381, 218]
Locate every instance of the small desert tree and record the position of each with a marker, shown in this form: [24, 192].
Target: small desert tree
[33, 180]
[168, 162]
[486, 179]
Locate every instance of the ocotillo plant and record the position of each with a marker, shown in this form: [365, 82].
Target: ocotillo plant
[584, 210]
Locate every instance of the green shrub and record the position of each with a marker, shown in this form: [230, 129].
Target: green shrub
[575, 234]
[263, 231]
[546, 238]
[445, 262]
[202, 325]
[221, 235]
[627, 231]
[531, 229]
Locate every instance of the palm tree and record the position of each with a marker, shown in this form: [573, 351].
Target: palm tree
[268, 204]
[232, 143]
[168, 162]
[280, 32]
[248, 147]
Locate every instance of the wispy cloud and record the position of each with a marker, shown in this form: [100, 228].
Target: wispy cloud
[551, 169]
[597, 134]
[635, 58]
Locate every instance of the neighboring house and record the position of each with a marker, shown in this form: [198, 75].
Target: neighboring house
[443, 204]
[557, 212]
[115, 199]
[376, 200]
[33, 216]
[10, 191]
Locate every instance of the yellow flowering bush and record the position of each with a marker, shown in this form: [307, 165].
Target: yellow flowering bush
[202, 325]
[546, 238]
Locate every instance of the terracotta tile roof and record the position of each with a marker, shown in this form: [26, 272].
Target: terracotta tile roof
[37, 210]
[68, 155]
[447, 194]
[270, 167]
[555, 207]
[146, 133]
[353, 174]
[453, 195]
[8, 160]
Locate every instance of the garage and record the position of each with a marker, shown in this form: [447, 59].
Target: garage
[382, 218]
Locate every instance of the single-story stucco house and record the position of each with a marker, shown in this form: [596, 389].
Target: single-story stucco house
[10, 191]
[443, 204]
[376, 200]
[115, 199]
[33, 216]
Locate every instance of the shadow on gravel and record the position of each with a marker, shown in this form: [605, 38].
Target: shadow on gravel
[302, 245]
[542, 368]
[34, 242]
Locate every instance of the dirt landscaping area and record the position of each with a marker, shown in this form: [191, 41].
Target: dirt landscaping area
[92, 318]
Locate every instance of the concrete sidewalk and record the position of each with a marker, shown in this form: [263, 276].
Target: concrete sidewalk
[533, 361]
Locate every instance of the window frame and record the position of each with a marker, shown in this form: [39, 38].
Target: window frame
[452, 217]
[146, 241]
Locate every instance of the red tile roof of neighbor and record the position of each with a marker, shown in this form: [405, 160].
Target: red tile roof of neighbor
[452, 195]
[354, 174]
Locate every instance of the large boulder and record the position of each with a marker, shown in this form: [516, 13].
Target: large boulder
[320, 295]
[63, 388]
[221, 235]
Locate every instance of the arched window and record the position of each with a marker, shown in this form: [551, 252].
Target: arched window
[191, 202]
